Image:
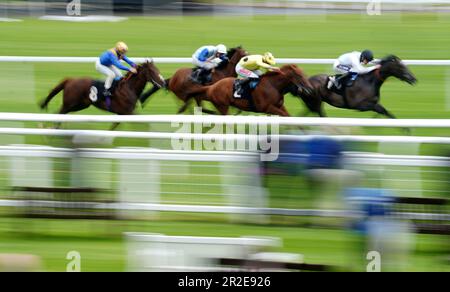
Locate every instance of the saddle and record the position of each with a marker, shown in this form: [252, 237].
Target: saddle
[244, 91]
[98, 87]
[201, 76]
[338, 83]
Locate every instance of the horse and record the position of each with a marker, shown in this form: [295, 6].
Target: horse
[267, 97]
[78, 92]
[364, 95]
[182, 85]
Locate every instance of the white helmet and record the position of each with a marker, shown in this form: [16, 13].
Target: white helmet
[221, 49]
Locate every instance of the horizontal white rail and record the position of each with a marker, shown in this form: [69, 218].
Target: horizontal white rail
[213, 209]
[356, 158]
[236, 120]
[216, 137]
[177, 60]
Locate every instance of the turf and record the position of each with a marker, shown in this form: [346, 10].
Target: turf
[410, 36]
[103, 248]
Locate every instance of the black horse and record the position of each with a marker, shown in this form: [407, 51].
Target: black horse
[364, 95]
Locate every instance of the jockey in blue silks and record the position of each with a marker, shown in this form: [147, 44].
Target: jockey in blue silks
[207, 58]
[109, 64]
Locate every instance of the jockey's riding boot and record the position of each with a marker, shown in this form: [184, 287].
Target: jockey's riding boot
[195, 77]
[205, 76]
[331, 82]
[340, 80]
[253, 82]
[351, 79]
[240, 87]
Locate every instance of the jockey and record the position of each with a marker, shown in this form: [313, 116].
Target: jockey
[350, 65]
[109, 65]
[249, 69]
[207, 58]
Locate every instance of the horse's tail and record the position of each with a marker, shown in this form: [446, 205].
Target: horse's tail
[52, 93]
[200, 92]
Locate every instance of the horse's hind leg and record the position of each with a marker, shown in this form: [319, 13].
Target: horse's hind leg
[184, 107]
[65, 109]
[281, 111]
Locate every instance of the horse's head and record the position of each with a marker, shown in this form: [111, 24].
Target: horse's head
[297, 77]
[393, 66]
[234, 56]
[151, 73]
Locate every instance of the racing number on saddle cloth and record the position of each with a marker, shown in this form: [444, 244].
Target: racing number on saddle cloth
[93, 94]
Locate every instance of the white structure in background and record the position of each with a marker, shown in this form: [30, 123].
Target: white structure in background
[162, 253]
[32, 170]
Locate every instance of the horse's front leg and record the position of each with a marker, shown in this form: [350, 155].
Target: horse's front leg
[114, 126]
[378, 108]
[143, 98]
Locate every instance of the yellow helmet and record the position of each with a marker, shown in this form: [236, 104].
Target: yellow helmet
[122, 47]
[269, 58]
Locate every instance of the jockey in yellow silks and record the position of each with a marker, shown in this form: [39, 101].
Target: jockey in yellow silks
[250, 68]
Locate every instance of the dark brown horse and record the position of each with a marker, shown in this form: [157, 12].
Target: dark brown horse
[183, 87]
[364, 95]
[124, 98]
[267, 97]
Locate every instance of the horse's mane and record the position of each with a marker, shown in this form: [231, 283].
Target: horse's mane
[271, 73]
[231, 51]
[389, 58]
[139, 67]
[230, 54]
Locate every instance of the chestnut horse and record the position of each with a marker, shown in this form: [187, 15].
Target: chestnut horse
[183, 87]
[77, 91]
[267, 97]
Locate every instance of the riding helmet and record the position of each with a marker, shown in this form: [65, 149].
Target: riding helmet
[221, 49]
[366, 55]
[122, 47]
[269, 58]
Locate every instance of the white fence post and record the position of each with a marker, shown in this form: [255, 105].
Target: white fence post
[139, 182]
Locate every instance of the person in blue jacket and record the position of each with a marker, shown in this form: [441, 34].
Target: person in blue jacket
[207, 58]
[109, 64]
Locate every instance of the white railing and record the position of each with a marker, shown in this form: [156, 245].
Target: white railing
[217, 137]
[235, 120]
[125, 155]
[176, 60]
